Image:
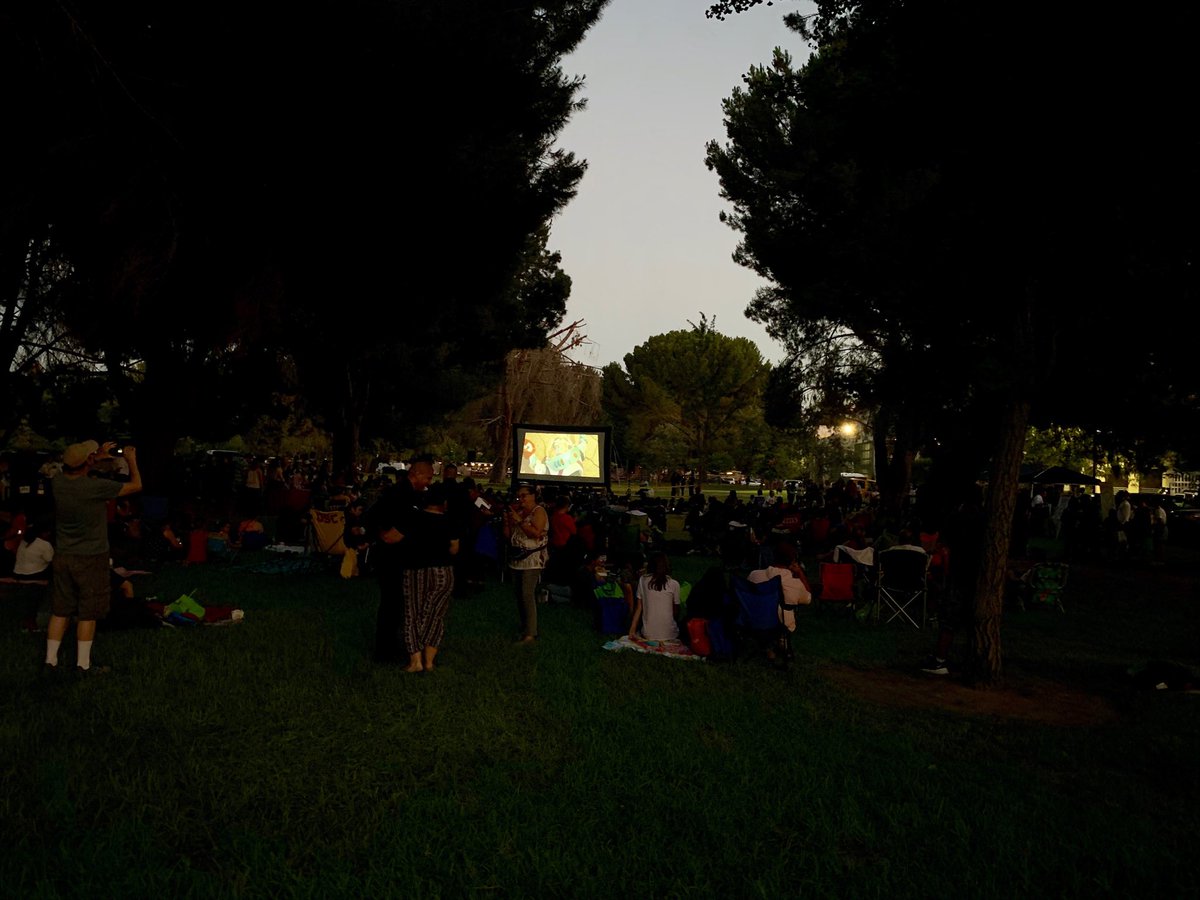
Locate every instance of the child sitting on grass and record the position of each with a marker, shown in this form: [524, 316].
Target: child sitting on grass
[656, 603]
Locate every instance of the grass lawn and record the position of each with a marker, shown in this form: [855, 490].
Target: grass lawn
[271, 758]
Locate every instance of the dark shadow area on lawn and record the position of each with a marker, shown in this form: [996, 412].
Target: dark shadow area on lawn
[1078, 668]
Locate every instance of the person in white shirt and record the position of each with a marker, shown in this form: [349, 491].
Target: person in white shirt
[796, 589]
[35, 553]
[656, 603]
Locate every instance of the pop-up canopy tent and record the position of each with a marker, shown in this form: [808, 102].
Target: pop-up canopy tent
[1033, 475]
[1063, 475]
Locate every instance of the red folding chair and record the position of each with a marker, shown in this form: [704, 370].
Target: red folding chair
[837, 584]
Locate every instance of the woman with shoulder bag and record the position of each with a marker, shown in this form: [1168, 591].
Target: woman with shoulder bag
[527, 529]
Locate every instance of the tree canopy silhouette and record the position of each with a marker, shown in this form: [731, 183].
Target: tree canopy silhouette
[356, 196]
[956, 200]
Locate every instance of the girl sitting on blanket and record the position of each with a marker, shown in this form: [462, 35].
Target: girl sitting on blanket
[656, 603]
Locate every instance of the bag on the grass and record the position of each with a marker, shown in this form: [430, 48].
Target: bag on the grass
[184, 606]
[349, 567]
[719, 640]
[698, 637]
[685, 591]
[612, 613]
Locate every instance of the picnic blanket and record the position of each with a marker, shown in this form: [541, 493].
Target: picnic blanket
[286, 559]
[674, 649]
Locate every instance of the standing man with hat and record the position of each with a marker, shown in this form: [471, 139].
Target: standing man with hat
[80, 585]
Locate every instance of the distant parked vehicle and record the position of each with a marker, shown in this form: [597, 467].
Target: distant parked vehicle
[1183, 523]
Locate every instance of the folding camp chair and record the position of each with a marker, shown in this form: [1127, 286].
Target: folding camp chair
[489, 546]
[836, 584]
[901, 587]
[322, 546]
[326, 530]
[1044, 585]
[758, 611]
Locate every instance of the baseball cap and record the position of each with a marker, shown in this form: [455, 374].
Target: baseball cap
[77, 454]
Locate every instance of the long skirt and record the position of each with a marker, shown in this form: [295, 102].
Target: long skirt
[426, 601]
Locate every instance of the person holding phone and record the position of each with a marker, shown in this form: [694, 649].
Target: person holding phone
[526, 528]
[79, 585]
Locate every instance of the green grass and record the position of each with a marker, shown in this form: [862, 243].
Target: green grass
[271, 758]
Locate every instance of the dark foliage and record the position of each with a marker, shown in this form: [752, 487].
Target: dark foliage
[248, 189]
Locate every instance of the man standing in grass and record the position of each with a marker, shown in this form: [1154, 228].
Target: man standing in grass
[80, 586]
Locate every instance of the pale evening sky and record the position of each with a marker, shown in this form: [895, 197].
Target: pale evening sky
[642, 242]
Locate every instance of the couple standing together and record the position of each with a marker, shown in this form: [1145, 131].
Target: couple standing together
[416, 543]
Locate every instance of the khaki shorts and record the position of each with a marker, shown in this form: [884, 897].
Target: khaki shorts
[80, 587]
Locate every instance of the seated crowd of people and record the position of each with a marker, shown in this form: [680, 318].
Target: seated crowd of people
[595, 538]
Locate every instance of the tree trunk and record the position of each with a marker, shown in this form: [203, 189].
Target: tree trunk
[901, 461]
[502, 439]
[888, 499]
[1001, 503]
[345, 444]
[347, 434]
[154, 417]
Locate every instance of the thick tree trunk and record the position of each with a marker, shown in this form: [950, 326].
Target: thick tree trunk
[1001, 502]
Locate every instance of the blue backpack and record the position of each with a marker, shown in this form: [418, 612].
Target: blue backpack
[612, 614]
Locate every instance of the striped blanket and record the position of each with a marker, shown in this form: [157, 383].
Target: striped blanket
[675, 649]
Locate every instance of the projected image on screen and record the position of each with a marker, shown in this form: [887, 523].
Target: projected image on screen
[564, 455]
[569, 454]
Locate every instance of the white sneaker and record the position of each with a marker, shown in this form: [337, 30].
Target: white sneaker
[935, 666]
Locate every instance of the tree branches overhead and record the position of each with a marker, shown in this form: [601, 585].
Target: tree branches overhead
[358, 185]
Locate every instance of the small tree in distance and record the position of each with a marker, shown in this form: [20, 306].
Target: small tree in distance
[695, 392]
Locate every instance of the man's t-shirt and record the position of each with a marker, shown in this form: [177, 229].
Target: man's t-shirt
[562, 526]
[426, 543]
[80, 513]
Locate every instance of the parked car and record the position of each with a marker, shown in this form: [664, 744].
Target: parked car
[1183, 523]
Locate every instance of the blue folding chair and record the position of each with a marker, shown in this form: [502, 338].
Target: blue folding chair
[758, 620]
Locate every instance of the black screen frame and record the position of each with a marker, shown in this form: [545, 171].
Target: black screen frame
[603, 433]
